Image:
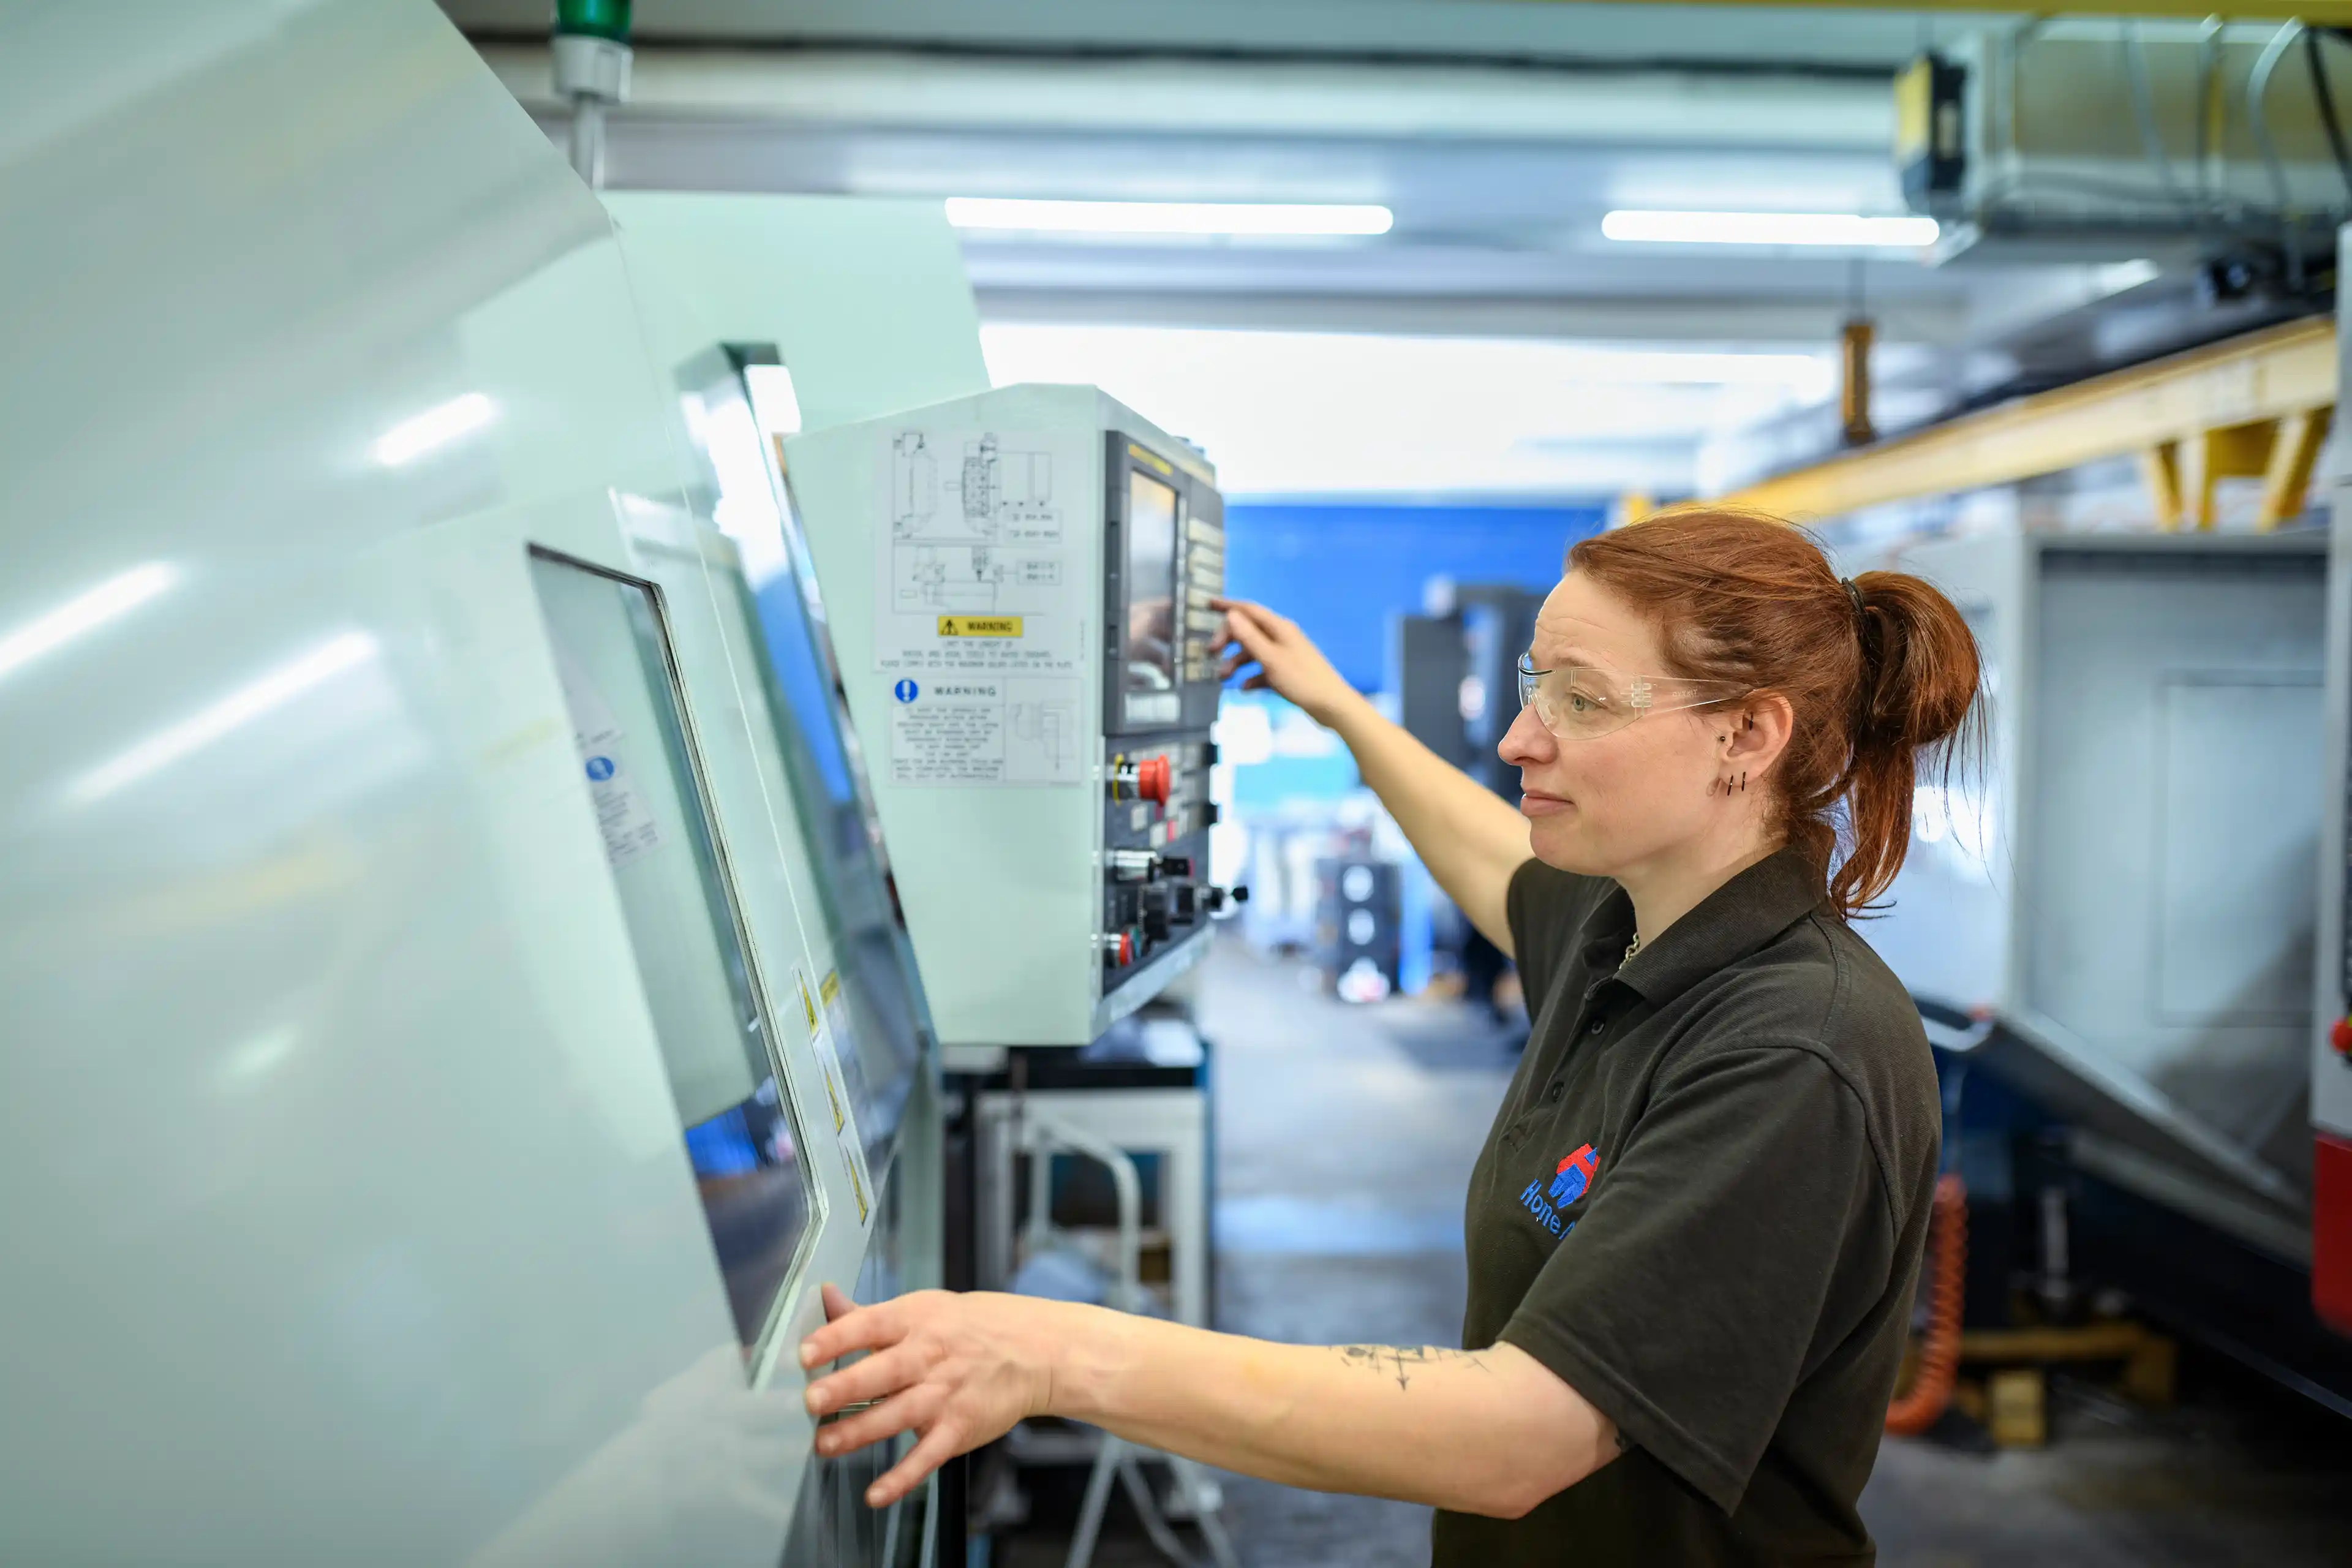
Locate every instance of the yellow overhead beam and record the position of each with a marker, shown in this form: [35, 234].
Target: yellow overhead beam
[2284, 373]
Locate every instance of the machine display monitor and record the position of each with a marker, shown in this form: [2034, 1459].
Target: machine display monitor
[1148, 655]
[637, 764]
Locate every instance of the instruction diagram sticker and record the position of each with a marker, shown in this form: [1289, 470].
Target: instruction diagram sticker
[1015, 730]
[627, 823]
[982, 554]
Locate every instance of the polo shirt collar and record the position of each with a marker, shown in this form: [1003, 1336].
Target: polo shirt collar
[1735, 920]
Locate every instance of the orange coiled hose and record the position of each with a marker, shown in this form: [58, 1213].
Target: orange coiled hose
[1940, 1354]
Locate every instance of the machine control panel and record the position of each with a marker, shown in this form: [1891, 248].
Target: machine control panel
[1022, 585]
[1156, 827]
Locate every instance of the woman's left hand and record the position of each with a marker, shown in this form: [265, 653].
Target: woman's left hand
[959, 1369]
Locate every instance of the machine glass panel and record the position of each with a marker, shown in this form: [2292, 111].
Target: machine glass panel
[1149, 652]
[636, 763]
[871, 992]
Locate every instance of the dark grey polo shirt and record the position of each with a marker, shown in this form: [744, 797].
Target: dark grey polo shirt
[1702, 1204]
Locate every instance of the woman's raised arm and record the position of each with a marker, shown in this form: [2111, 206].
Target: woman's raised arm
[1470, 838]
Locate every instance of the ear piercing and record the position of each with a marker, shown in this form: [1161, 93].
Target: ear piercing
[1728, 786]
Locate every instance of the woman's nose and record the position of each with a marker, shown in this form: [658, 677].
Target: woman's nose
[1527, 741]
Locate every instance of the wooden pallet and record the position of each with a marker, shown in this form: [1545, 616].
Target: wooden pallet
[2012, 1398]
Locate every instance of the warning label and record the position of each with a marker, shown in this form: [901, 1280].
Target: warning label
[622, 815]
[1016, 731]
[980, 626]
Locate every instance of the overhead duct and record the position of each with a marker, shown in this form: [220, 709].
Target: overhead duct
[887, 89]
[2219, 145]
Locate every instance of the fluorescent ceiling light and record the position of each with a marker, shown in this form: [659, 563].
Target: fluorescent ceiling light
[280, 686]
[84, 613]
[412, 439]
[1847, 230]
[1166, 218]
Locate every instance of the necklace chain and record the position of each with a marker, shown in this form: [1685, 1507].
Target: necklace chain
[1632, 948]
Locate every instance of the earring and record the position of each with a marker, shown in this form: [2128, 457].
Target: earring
[1743, 783]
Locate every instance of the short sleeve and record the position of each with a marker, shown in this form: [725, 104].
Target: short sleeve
[1546, 909]
[1688, 1300]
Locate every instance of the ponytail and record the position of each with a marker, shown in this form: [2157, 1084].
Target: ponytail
[1877, 670]
[1917, 692]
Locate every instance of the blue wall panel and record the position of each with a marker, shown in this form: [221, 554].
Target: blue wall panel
[1340, 570]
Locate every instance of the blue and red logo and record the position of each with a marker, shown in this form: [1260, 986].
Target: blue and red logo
[1575, 1174]
[1569, 1183]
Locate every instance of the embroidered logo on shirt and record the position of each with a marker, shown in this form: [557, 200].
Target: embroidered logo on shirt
[1567, 1185]
[1575, 1173]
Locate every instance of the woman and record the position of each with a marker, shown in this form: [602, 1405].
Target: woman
[1695, 1230]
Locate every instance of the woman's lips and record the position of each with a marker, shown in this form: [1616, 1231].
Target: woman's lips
[1536, 803]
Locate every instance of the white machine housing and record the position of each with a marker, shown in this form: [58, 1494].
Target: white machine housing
[418, 1068]
[1018, 584]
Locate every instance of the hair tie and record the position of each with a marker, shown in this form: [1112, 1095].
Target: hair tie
[1856, 594]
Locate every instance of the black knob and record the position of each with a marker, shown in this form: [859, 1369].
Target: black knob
[1162, 910]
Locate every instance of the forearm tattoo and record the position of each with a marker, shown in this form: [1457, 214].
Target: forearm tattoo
[1401, 1362]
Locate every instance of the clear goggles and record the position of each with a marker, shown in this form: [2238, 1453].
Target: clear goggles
[1582, 702]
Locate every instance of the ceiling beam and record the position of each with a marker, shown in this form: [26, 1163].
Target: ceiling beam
[2261, 376]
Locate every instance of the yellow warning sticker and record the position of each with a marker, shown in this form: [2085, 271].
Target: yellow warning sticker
[980, 626]
[856, 1187]
[807, 1006]
[830, 988]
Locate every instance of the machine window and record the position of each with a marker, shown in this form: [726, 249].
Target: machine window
[1150, 655]
[872, 995]
[612, 654]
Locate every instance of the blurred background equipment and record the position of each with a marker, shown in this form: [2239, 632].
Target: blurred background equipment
[1356, 927]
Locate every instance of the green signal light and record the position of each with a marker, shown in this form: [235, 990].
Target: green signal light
[592, 19]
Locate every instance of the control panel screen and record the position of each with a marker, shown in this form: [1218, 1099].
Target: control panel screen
[1150, 652]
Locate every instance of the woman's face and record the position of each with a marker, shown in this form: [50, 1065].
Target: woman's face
[1614, 802]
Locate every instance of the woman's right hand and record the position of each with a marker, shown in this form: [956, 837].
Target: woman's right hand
[1288, 662]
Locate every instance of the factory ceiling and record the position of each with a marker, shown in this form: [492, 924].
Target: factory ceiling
[1499, 134]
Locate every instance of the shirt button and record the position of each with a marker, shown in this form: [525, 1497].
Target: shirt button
[1552, 1094]
[1597, 1025]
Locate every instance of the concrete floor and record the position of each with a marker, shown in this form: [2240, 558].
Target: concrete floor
[1345, 1139]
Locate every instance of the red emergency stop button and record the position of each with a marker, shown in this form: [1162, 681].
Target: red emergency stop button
[2339, 1035]
[1153, 779]
[1118, 948]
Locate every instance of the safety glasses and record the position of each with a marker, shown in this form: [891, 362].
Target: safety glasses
[1582, 702]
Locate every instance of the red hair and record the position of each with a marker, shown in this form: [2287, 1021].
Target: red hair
[1875, 676]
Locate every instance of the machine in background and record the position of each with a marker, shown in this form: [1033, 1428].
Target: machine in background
[2114, 921]
[404, 809]
[2330, 1047]
[1457, 686]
